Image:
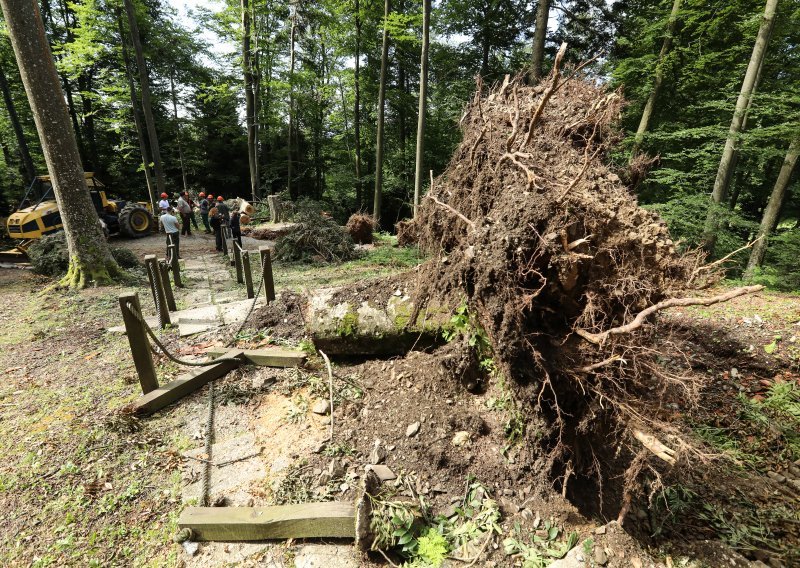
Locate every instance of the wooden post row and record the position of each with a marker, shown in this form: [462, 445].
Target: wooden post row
[159, 296]
[137, 337]
[176, 267]
[163, 269]
[248, 273]
[237, 258]
[266, 268]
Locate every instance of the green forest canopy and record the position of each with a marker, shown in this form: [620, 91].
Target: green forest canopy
[198, 98]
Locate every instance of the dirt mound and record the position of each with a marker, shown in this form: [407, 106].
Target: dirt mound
[360, 227]
[549, 251]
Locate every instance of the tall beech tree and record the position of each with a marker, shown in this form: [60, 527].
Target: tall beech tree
[90, 255]
[423, 100]
[539, 36]
[658, 78]
[144, 84]
[22, 142]
[379, 142]
[728, 161]
[772, 210]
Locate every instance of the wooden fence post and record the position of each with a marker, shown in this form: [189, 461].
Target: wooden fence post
[266, 273]
[176, 267]
[224, 230]
[137, 337]
[237, 258]
[163, 269]
[248, 273]
[160, 297]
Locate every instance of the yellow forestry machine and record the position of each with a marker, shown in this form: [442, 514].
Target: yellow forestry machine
[38, 215]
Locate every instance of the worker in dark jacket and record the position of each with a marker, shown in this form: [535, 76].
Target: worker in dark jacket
[223, 210]
[204, 207]
[236, 228]
[215, 219]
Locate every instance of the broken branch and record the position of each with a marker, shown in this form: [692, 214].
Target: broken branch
[655, 446]
[598, 338]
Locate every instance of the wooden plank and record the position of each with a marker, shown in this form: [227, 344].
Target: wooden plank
[186, 384]
[306, 520]
[268, 357]
[139, 342]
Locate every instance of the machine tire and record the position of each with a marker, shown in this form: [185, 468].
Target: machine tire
[135, 221]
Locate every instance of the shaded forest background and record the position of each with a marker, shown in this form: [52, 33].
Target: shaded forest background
[316, 111]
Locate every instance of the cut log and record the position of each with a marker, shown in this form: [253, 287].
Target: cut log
[186, 384]
[268, 357]
[306, 520]
[353, 324]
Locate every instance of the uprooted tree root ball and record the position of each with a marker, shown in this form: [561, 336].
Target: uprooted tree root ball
[555, 260]
[360, 227]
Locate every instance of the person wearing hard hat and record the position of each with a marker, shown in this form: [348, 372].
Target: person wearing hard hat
[164, 203]
[205, 205]
[223, 209]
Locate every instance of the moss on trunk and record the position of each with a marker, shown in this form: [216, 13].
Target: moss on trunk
[81, 274]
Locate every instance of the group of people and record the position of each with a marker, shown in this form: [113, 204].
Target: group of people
[215, 215]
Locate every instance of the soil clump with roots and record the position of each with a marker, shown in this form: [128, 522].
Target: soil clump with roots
[563, 273]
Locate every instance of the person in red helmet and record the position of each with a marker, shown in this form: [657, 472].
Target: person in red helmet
[205, 205]
[164, 203]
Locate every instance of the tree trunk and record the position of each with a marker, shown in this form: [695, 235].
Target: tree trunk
[90, 256]
[376, 205]
[657, 80]
[770, 219]
[423, 96]
[485, 57]
[725, 170]
[85, 88]
[539, 35]
[137, 118]
[249, 98]
[177, 128]
[255, 70]
[144, 83]
[290, 149]
[24, 153]
[357, 109]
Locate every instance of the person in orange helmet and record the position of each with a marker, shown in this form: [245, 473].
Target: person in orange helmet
[223, 210]
[164, 203]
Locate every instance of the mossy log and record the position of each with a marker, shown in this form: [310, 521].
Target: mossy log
[348, 322]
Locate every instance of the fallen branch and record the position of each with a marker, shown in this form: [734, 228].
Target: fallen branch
[330, 390]
[599, 338]
[453, 211]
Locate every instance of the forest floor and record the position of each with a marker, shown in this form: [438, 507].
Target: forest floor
[81, 484]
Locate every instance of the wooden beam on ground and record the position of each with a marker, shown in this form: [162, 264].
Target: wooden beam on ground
[268, 357]
[186, 384]
[306, 520]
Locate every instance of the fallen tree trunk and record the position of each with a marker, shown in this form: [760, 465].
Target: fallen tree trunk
[372, 320]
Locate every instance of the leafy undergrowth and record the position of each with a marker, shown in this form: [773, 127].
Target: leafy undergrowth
[381, 259]
[78, 484]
